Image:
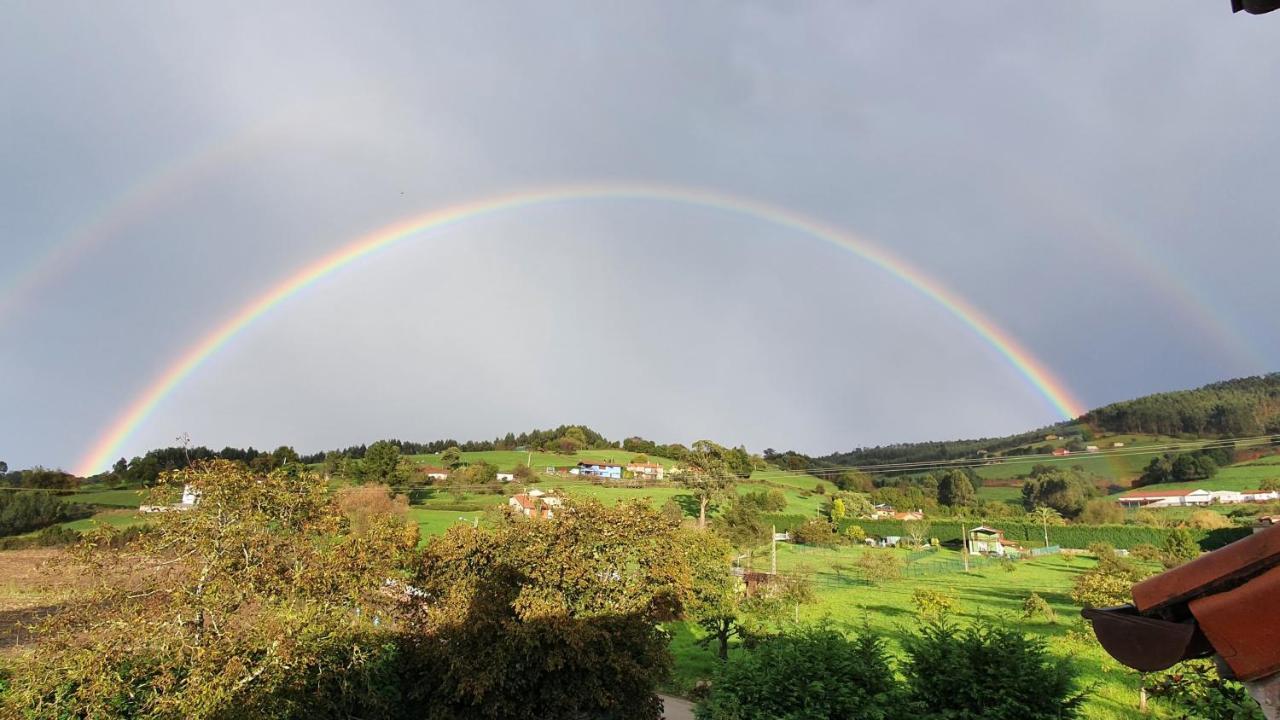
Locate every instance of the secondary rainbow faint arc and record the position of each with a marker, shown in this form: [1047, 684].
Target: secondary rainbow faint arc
[110, 442]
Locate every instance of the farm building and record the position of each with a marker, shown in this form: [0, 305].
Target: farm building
[647, 471]
[506, 477]
[535, 504]
[190, 498]
[985, 540]
[601, 469]
[436, 473]
[1185, 498]
[1165, 498]
[888, 512]
[1061, 452]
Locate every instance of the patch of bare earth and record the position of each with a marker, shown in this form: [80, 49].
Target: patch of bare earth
[33, 584]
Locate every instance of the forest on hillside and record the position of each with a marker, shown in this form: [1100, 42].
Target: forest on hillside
[1241, 407]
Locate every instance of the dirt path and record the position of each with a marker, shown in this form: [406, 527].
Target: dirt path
[676, 709]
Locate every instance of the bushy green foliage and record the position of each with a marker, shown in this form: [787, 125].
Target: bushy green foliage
[551, 618]
[933, 605]
[1110, 582]
[784, 522]
[766, 502]
[955, 489]
[987, 672]
[1066, 490]
[1102, 511]
[818, 532]
[23, 511]
[1179, 547]
[260, 601]
[1181, 467]
[1199, 693]
[810, 674]
[880, 566]
[1037, 607]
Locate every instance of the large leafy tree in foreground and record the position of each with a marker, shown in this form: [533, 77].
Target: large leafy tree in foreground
[549, 618]
[262, 601]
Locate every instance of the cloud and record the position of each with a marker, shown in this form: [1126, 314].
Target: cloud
[1091, 176]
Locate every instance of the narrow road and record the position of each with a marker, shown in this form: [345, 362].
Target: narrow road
[675, 708]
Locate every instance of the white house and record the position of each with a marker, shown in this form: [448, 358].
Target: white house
[190, 498]
[506, 477]
[436, 473]
[535, 504]
[646, 471]
[1259, 495]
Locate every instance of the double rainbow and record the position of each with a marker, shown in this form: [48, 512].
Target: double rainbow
[111, 441]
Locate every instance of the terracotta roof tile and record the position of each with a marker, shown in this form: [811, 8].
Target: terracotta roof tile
[1211, 572]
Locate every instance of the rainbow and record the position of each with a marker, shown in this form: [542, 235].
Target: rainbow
[139, 200]
[109, 444]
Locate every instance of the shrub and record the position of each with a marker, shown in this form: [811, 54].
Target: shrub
[1102, 511]
[988, 672]
[783, 522]
[855, 534]
[1035, 606]
[819, 532]
[1147, 552]
[933, 605]
[1208, 520]
[1179, 547]
[810, 674]
[28, 510]
[880, 566]
[1196, 687]
[1108, 583]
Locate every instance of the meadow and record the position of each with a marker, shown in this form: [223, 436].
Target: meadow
[987, 593]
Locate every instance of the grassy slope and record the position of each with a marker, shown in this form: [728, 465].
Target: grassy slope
[1244, 476]
[991, 593]
[110, 498]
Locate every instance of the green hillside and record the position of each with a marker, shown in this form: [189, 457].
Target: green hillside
[506, 460]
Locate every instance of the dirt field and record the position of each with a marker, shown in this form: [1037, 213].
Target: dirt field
[29, 591]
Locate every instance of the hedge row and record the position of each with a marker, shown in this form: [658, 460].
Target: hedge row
[1068, 536]
[785, 522]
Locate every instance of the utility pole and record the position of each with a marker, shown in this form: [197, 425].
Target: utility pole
[773, 549]
[964, 544]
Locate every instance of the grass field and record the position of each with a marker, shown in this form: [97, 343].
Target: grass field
[435, 522]
[990, 593]
[1242, 476]
[109, 498]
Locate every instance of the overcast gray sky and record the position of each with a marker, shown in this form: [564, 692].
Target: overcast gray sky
[1096, 177]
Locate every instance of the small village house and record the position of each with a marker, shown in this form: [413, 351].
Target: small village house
[535, 504]
[436, 473]
[601, 469]
[985, 540]
[1061, 452]
[645, 471]
[506, 477]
